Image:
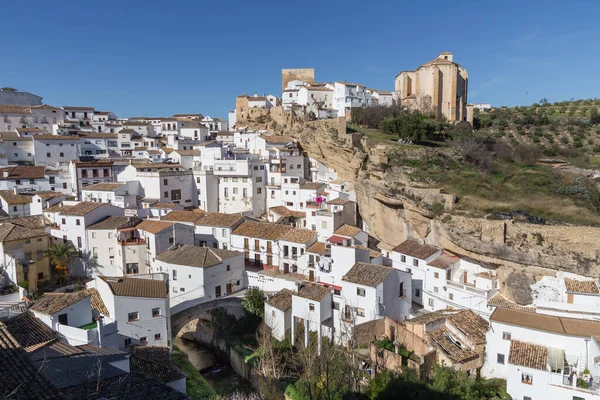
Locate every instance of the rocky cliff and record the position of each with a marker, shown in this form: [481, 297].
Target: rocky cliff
[394, 210]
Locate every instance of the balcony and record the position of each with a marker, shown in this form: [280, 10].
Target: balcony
[314, 204]
[132, 242]
[467, 288]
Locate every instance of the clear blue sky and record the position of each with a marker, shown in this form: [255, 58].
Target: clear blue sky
[157, 58]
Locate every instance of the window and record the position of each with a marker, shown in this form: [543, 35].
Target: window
[133, 316]
[450, 296]
[32, 181]
[166, 194]
[127, 342]
[506, 336]
[77, 222]
[176, 194]
[436, 275]
[170, 240]
[64, 185]
[62, 154]
[79, 241]
[431, 303]
[417, 293]
[360, 312]
[527, 378]
[229, 268]
[156, 312]
[258, 190]
[14, 208]
[174, 275]
[401, 290]
[143, 339]
[403, 259]
[409, 270]
[436, 289]
[500, 358]
[48, 155]
[361, 292]
[245, 193]
[336, 305]
[235, 190]
[95, 252]
[40, 275]
[258, 179]
[157, 336]
[110, 235]
[93, 235]
[311, 307]
[132, 268]
[415, 262]
[165, 182]
[226, 192]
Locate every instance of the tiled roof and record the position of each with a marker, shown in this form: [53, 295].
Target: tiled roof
[262, 230]
[160, 373]
[444, 261]
[581, 287]
[103, 187]
[22, 172]
[132, 386]
[441, 339]
[13, 109]
[414, 248]
[113, 222]
[528, 355]
[498, 300]
[14, 137]
[51, 303]
[347, 230]
[13, 199]
[220, 220]
[28, 332]
[19, 376]
[338, 201]
[318, 248]
[184, 216]
[48, 194]
[313, 291]
[195, 256]
[136, 287]
[29, 130]
[97, 302]
[153, 226]
[80, 209]
[471, 325]
[311, 185]
[188, 152]
[99, 135]
[156, 354]
[164, 206]
[372, 253]
[281, 300]
[297, 235]
[283, 211]
[157, 166]
[547, 323]
[367, 274]
[56, 137]
[75, 108]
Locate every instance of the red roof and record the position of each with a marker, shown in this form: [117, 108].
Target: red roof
[337, 239]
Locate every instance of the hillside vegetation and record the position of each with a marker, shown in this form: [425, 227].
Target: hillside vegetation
[543, 159]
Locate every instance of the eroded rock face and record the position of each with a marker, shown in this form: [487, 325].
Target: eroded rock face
[518, 286]
[395, 210]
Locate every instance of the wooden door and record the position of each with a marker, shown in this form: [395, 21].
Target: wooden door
[570, 298]
[269, 248]
[228, 289]
[246, 245]
[218, 291]
[311, 275]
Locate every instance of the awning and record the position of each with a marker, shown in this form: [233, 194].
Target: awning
[556, 358]
[337, 239]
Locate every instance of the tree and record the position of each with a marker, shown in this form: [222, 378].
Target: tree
[254, 302]
[60, 255]
[594, 116]
[409, 125]
[272, 363]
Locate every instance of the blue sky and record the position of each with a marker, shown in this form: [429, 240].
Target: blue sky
[157, 58]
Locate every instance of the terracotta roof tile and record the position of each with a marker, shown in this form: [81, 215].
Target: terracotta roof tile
[262, 230]
[13, 199]
[281, 300]
[414, 248]
[51, 303]
[104, 186]
[528, 355]
[581, 287]
[29, 332]
[56, 137]
[347, 230]
[14, 109]
[283, 211]
[318, 248]
[97, 302]
[443, 261]
[136, 287]
[48, 194]
[195, 256]
[160, 373]
[313, 291]
[153, 226]
[441, 339]
[339, 201]
[80, 209]
[114, 222]
[367, 274]
[297, 235]
[311, 185]
[220, 220]
[22, 172]
[184, 216]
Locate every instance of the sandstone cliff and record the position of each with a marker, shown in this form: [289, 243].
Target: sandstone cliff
[394, 210]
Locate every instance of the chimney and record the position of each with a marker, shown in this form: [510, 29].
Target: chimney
[5, 173]
[100, 326]
[15, 191]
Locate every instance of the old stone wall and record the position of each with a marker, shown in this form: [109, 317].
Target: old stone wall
[291, 74]
[366, 332]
